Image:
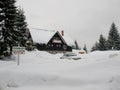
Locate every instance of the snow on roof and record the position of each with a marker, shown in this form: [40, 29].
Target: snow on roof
[41, 35]
[68, 39]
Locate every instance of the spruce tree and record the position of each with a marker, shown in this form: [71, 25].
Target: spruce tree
[95, 47]
[76, 44]
[2, 15]
[21, 27]
[113, 38]
[102, 45]
[10, 32]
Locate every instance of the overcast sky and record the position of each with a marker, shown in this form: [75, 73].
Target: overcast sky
[83, 20]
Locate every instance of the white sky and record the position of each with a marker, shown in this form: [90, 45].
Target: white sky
[83, 20]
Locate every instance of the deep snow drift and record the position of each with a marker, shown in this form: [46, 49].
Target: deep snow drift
[99, 70]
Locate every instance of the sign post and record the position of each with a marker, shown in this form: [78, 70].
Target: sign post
[18, 50]
[18, 62]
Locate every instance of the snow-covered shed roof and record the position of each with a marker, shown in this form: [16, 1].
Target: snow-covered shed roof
[43, 36]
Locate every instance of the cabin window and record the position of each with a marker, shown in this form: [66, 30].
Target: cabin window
[56, 40]
[64, 47]
[58, 45]
[50, 45]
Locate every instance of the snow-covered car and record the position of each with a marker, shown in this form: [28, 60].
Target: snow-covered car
[70, 55]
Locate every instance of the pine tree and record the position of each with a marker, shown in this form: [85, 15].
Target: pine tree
[1, 11]
[2, 15]
[12, 26]
[113, 38]
[9, 32]
[21, 27]
[76, 45]
[118, 44]
[102, 45]
[95, 47]
[85, 48]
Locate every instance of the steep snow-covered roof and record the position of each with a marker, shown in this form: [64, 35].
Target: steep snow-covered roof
[41, 35]
[68, 39]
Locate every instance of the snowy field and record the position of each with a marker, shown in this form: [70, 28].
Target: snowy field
[43, 71]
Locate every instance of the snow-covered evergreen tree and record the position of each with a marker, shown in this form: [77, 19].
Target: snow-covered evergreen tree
[1, 27]
[102, 45]
[95, 47]
[9, 32]
[76, 45]
[113, 38]
[12, 26]
[21, 27]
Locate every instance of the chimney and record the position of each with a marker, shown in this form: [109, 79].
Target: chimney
[62, 33]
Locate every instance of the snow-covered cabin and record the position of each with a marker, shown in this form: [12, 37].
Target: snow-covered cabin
[51, 40]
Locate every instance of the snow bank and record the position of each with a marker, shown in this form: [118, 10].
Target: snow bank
[40, 70]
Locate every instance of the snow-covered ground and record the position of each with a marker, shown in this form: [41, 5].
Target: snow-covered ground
[99, 70]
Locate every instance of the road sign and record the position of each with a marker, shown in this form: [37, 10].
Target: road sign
[18, 50]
